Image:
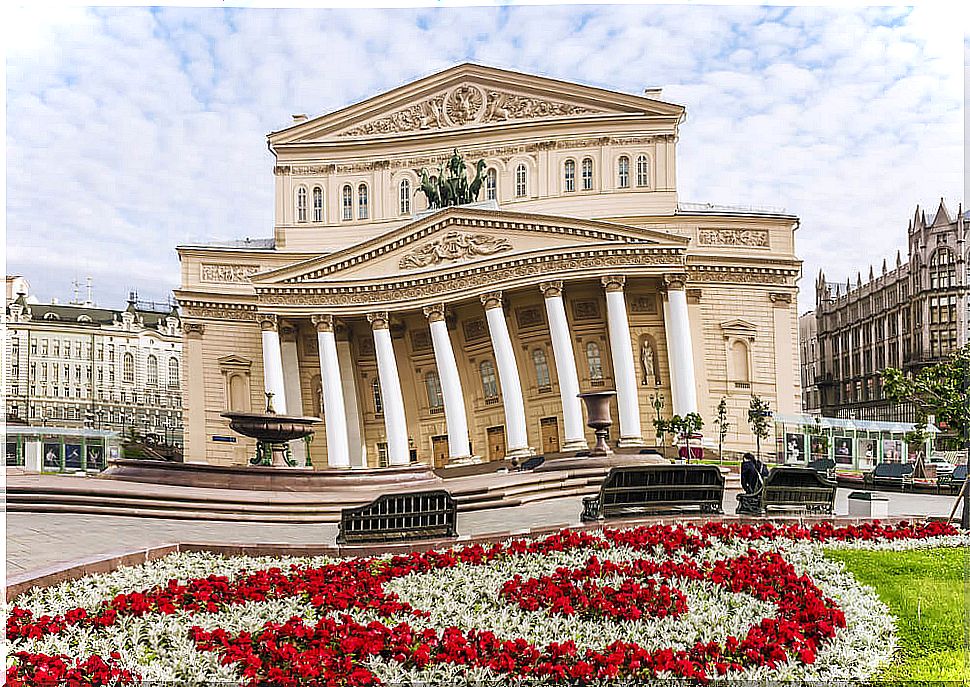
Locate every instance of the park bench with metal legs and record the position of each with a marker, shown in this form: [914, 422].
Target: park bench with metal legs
[790, 488]
[410, 516]
[648, 489]
[891, 475]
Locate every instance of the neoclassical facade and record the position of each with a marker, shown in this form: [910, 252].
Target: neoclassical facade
[443, 335]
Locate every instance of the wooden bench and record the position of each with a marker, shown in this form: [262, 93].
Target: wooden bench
[954, 481]
[411, 516]
[644, 489]
[824, 466]
[891, 475]
[790, 488]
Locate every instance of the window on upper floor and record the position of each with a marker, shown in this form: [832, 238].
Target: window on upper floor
[347, 203]
[433, 386]
[643, 171]
[943, 269]
[173, 372]
[301, 204]
[362, 202]
[521, 176]
[489, 382]
[128, 369]
[623, 172]
[317, 204]
[491, 184]
[543, 380]
[152, 370]
[404, 195]
[587, 174]
[569, 176]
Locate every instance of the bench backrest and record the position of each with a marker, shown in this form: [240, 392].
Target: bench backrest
[408, 516]
[822, 465]
[893, 470]
[787, 485]
[663, 485]
[959, 473]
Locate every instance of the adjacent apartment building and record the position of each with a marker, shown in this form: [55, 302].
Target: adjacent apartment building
[77, 364]
[910, 315]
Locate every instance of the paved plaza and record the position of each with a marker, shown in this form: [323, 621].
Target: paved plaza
[41, 540]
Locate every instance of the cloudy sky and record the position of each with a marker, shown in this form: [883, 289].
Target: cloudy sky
[132, 130]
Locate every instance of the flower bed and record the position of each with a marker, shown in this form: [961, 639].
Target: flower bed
[709, 602]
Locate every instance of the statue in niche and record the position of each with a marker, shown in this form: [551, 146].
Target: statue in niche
[648, 362]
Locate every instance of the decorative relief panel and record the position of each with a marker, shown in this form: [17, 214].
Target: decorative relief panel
[215, 313]
[454, 245]
[420, 340]
[743, 276]
[644, 305]
[465, 104]
[751, 238]
[366, 347]
[474, 330]
[530, 317]
[586, 310]
[227, 274]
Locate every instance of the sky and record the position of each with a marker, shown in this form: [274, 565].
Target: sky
[133, 130]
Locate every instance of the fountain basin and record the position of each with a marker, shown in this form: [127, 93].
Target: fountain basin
[271, 428]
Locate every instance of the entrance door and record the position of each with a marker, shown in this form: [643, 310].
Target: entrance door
[549, 428]
[439, 449]
[496, 443]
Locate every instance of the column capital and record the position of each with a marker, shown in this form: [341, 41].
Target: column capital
[193, 330]
[675, 281]
[267, 321]
[379, 319]
[551, 289]
[492, 299]
[780, 298]
[323, 323]
[614, 282]
[435, 313]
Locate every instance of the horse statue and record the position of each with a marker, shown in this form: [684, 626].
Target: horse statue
[429, 187]
[451, 186]
[476, 186]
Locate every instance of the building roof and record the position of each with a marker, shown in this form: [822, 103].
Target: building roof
[742, 210]
[236, 244]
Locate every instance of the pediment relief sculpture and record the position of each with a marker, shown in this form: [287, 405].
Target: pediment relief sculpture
[454, 245]
[465, 104]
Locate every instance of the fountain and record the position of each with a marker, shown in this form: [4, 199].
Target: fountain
[271, 432]
[598, 414]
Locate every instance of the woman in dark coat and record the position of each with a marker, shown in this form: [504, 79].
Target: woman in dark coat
[753, 473]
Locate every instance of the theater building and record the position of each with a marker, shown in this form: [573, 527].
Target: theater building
[444, 335]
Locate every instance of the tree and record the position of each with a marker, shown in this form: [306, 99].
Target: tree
[941, 390]
[917, 437]
[681, 426]
[758, 413]
[722, 424]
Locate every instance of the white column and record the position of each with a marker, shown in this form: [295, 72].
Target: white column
[335, 422]
[273, 364]
[291, 385]
[516, 436]
[681, 351]
[395, 422]
[444, 358]
[621, 351]
[355, 426]
[562, 347]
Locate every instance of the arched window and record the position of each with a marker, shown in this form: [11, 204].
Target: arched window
[128, 368]
[739, 362]
[542, 369]
[152, 370]
[347, 203]
[489, 382]
[173, 372]
[317, 204]
[433, 385]
[594, 361]
[587, 174]
[301, 204]
[405, 197]
[643, 172]
[943, 270]
[623, 172]
[378, 400]
[520, 181]
[491, 184]
[569, 176]
[362, 201]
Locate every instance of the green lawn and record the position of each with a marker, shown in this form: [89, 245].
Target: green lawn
[928, 592]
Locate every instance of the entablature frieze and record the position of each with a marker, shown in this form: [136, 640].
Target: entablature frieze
[742, 275]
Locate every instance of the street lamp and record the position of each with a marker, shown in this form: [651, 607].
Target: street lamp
[100, 414]
[657, 401]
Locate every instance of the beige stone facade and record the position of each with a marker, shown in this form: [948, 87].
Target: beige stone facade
[576, 270]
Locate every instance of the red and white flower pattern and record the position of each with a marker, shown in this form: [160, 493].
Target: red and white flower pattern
[714, 601]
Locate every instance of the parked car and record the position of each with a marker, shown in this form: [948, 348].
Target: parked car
[943, 466]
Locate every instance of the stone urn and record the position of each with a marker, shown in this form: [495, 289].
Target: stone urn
[271, 432]
[598, 418]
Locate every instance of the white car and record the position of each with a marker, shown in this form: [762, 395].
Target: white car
[943, 466]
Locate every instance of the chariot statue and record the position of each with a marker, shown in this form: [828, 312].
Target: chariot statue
[449, 185]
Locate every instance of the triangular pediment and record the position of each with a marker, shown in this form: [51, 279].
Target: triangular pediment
[742, 329]
[234, 362]
[469, 95]
[461, 236]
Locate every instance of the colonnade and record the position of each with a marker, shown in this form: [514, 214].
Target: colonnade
[276, 354]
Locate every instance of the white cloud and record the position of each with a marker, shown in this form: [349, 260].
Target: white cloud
[130, 130]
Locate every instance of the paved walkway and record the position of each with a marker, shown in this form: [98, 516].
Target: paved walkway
[38, 540]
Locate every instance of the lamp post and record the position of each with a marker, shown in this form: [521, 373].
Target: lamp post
[965, 516]
[100, 413]
[657, 401]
